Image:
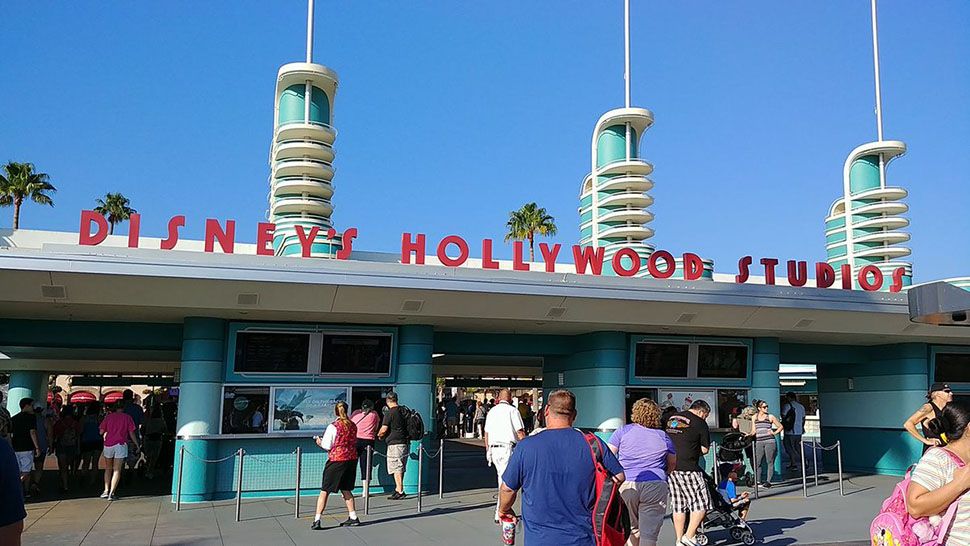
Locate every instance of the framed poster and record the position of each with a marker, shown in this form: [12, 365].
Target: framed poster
[680, 400]
[245, 409]
[306, 408]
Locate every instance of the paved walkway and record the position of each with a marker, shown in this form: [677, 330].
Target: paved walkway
[781, 517]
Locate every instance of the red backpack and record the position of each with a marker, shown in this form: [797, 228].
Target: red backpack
[611, 519]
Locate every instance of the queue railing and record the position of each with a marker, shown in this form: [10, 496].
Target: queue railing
[816, 447]
[439, 454]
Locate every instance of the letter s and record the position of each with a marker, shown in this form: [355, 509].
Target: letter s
[348, 243]
[173, 232]
[743, 273]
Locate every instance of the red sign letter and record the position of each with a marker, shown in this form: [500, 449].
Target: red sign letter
[584, 256]
[549, 256]
[618, 262]
[846, 273]
[347, 243]
[876, 283]
[652, 265]
[487, 261]
[743, 273]
[769, 264]
[517, 263]
[797, 273]
[134, 227]
[213, 231]
[824, 275]
[173, 232]
[462, 251]
[897, 279]
[306, 241]
[264, 237]
[84, 232]
[417, 247]
[693, 266]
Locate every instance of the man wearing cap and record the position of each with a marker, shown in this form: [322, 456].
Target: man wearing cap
[938, 397]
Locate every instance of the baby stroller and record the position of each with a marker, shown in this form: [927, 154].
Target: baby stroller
[723, 516]
[731, 452]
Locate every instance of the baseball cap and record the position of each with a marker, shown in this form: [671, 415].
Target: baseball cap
[939, 387]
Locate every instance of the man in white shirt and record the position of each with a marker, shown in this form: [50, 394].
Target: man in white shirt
[503, 429]
[794, 425]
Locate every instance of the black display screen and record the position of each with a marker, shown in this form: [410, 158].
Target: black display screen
[661, 360]
[356, 354]
[952, 368]
[271, 352]
[722, 361]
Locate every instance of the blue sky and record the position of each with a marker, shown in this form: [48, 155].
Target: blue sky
[451, 114]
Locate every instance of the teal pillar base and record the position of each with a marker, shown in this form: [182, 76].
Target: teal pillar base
[26, 384]
[198, 478]
[415, 390]
[596, 373]
[765, 382]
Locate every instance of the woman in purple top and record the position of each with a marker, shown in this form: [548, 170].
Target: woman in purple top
[647, 455]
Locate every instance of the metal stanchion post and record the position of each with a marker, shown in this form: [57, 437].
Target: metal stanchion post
[239, 484]
[441, 468]
[754, 450]
[178, 484]
[370, 451]
[804, 475]
[815, 461]
[838, 453]
[420, 461]
[714, 469]
[299, 461]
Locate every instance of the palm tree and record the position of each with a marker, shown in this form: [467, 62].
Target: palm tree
[18, 183]
[115, 207]
[526, 222]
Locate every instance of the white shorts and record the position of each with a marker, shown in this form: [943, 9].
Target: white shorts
[25, 459]
[119, 451]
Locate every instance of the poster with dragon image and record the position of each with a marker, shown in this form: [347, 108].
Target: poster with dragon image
[680, 400]
[307, 409]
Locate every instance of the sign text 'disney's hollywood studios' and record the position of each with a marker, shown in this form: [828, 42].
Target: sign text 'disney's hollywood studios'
[453, 251]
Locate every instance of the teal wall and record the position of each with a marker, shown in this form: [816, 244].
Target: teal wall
[415, 389]
[26, 384]
[864, 174]
[764, 380]
[596, 372]
[319, 106]
[611, 145]
[292, 103]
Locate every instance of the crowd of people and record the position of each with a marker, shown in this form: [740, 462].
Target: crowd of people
[467, 417]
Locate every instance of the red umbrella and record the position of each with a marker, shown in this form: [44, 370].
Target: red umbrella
[55, 398]
[112, 397]
[82, 397]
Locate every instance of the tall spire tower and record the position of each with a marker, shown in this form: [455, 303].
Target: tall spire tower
[301, 155]
[864, 225]
[613, 207]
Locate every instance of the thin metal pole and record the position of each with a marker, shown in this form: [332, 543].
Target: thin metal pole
[714, 463]
[370, 451]
[441, 468]
[309, 31]
[804, 475]
[838, 452]
[875, 63]
[626, 53]
[299, 464]
[239, 485]
[420, 464]
[178, 485]
[754, 451]
[815, 461]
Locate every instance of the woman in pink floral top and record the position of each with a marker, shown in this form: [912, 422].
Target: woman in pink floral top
[340, 473]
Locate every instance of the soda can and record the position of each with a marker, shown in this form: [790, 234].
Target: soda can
[508, 522]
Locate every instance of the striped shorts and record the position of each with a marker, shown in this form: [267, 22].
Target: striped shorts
[688, 492]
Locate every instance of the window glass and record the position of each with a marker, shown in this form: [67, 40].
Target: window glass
[722, 361]
[271, 352]
[634, 394]
[952, 368]
[730, 402]
[356, 354]
[661, 360]
[245, 410]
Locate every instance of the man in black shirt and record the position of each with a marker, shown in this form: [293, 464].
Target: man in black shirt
[23, 438]
[688, 492]
[394, 432]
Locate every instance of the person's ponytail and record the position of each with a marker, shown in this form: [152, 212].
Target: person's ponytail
[341, 411]
[952, 423]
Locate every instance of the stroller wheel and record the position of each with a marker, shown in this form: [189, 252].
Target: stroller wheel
[748, 538]
[701, 539]
[736, 533]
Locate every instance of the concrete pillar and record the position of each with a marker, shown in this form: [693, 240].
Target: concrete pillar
[596, 373]
[26, 384]
[200, 398]
[765, 382]
[415, 390]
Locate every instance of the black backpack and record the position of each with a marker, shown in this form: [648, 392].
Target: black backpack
[413, 423]
[788, 419]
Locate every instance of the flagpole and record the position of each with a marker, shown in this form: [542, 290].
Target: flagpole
[626, 40]
[309, 31]
[875, 63]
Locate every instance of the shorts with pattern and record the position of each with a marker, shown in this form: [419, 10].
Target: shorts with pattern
[25, 460]
[397, 457]
[688, 492]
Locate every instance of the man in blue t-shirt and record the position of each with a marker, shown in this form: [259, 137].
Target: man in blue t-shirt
[555, 471]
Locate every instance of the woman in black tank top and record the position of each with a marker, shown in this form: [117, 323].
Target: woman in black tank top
[938, 397]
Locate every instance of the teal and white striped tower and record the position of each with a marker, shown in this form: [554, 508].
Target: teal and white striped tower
[864, 226]
[301, 168]
[613, 206]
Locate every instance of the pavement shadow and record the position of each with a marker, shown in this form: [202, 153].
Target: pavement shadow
[767, 530]
[437, 511]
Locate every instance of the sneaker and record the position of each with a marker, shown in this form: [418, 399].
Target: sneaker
[767, 485]
[402, 496]
[316, 526]
[351, 522]
[684, 541]
[104, 495]
[395, 496]
[112, 497]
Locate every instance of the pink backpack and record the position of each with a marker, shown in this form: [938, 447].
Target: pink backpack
[895, 527]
